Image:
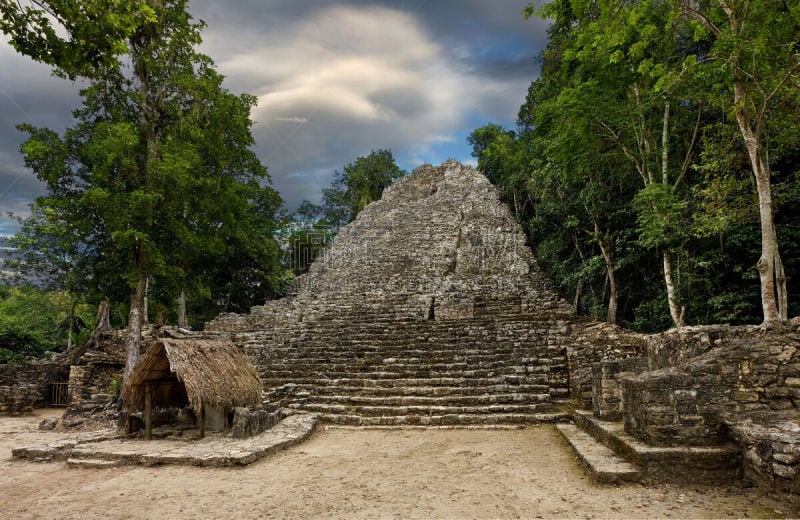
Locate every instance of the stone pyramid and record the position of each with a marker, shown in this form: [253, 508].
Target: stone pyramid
[429, 309]
[439, 244]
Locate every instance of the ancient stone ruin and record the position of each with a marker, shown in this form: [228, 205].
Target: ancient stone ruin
[428, 309]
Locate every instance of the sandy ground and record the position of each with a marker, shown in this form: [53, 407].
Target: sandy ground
[344, 473]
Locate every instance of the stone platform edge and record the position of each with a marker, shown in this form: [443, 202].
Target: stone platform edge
[112, 451]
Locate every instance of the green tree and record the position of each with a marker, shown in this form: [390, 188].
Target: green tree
[79, 39]
[751, 70]
[34, 321]
[360, 183]
[619, 55]
[159, 180]
[503, 159]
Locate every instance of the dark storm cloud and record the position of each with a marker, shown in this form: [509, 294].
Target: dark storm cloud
[29, 95]
[334, 79]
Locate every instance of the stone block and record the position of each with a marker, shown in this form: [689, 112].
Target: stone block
[784, 471]
[746, 396]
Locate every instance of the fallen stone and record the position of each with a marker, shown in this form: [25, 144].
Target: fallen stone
[48, 424]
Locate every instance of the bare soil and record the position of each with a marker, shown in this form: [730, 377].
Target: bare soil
[346, 473]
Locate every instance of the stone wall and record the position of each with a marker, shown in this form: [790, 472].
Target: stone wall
[248, 423]
[20, 399]
[24, 386]
[677, 346]
[93, 378]
[746, 375]
[607, 388]
[771, 454]
[589, 343]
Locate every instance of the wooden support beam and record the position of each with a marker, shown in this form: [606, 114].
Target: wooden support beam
[148, 412]
[202, 421]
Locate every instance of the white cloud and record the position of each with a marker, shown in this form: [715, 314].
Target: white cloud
[357, 79]
[294, 119]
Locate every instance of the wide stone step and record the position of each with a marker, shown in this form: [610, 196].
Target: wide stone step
[404, 382]
[408, 357]
[601, 463]
[429, 410]
[686, 464]
[386, 360]
[446, 419]
[422, 391]
[372, 374]
[315, 349]
[450, 400]
[213, 450]
[93, 463]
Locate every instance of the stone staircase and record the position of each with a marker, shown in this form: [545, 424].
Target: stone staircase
[611, 455]
[488, 371]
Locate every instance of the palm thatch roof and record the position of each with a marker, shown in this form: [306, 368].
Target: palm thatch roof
[197, 372]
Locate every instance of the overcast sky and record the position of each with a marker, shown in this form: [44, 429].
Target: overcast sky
[334, 80]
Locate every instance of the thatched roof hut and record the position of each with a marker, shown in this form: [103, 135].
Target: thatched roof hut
[200, 373]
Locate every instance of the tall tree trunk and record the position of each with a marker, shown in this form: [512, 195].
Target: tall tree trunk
[135, 322]
[71, 326]
[606, 248]
[578, 293]
[103, 316]
[774, 297]
[145, 313]
[674, 308]
[182, 310]
[770, 267]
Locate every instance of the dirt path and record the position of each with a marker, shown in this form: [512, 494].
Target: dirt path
[343, 473]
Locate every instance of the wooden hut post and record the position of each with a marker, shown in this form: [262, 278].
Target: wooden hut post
[202, 420]
[148, 412]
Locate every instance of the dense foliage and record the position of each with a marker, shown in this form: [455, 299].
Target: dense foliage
[358, 184]
[633, 169]
[34, 321]
[355, 186]
[155, 193]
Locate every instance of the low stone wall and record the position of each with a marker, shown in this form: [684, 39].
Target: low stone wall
[676, 347]
[20, 399]
[248, 423]
[771, 454]
[606, 387]
[753, 373]
[589, 343]
[24, 386]
[87, 381]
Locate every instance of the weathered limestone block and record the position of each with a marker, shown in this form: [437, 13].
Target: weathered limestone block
[24, 386]
[771, 447]
[589, 343]
[606, 388]
[19, 399]
[248, 423]
[661, 408]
